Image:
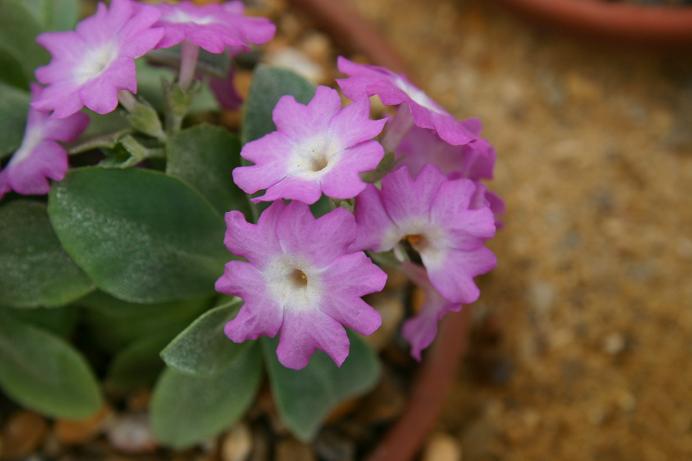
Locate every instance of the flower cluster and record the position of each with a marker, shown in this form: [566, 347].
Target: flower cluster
[93, 67]
[303, 278]
[300, 277]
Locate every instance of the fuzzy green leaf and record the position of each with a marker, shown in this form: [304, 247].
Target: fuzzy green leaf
[14, 104]
[140, 235]
[42, 372]
[304, 398]
[268, 86]
[190, 409]
[203, 349]
[204, 156]
[60, 321]
[138, 365]
[34, 269]
[18, 31]
[54, 15]
[115, 324]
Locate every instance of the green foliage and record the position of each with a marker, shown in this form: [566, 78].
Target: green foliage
[54, 15]
[34, 269]
[115, 324]
[43, 372]
[140, 235]
[189, 409]
[204, 157]
[150, 78]
[61, 320]
[138, 364]
[203, 349]
[152, 243]
[14, 104]
[18, 31]
[304, 398]
[268, 86]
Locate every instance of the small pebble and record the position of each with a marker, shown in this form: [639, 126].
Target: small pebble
[237, 444]
[442, 447]
[131, 434]
[317, 46]
[614, 343]
[75, 432]
[331, 446]
[298, 62]
[292, 450]
[22, 435]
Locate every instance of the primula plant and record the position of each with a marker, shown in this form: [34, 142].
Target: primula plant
[132, 228]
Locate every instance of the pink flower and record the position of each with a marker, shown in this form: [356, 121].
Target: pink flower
[433, 216]
[317, 148]
[421, 330]
[414, 105]
[475, 161]
[213, 28]
[92, 64]
[420, 147]
[40, 157]
[299, 280]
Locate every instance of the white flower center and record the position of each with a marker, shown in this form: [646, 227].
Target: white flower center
[315, 157]
[417, 95]
[32, 138]
[181, 17]
[427, 239]
[293, 283]
[96, 61]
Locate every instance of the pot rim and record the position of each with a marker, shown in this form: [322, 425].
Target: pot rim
[653, 25]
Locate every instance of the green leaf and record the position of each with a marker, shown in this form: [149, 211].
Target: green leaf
[138, 365]
[203, 349]
[140, 235]
[18, 31]
[42, 372]
[129, 151]
[60, 321]
[116, 324]
[14, 104]
[34, 269]
[149, 79]
[204, 156]
[11, 71]
[54, 15]
[189, 409]
[304, 398]
[267, 87]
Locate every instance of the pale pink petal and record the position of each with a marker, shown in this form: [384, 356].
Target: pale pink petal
[344, 180]
[373, 221]
[259, 315]
[294, 189]
[305, 331]
[404, 196]
[255, 242]
[454, 277]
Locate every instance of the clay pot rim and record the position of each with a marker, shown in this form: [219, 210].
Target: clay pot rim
[663, 25]
[438, 371]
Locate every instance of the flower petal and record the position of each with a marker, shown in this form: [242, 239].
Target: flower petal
[305, 331]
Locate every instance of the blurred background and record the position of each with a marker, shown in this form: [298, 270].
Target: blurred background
[583, 336]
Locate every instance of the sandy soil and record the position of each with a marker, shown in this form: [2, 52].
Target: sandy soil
[584, 332]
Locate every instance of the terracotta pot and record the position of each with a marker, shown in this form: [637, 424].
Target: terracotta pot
[439, 369]
[643, 25]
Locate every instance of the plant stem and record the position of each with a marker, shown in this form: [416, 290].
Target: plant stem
[188, 64]
[127, 100]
